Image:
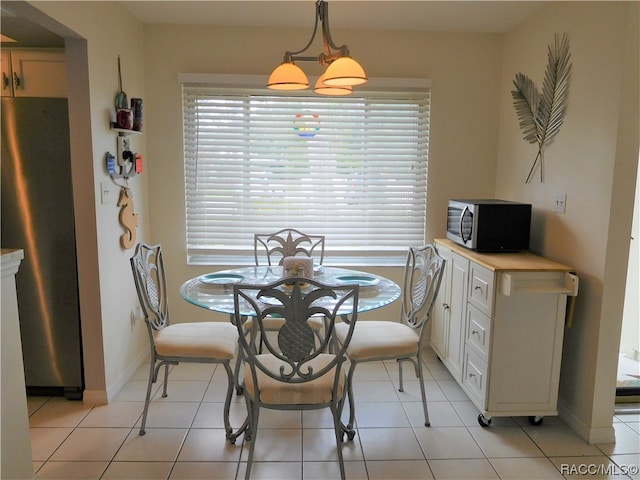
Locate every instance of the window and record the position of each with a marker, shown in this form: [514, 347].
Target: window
[351, 168]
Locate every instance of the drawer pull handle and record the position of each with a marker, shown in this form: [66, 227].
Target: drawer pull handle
[475, 332]
[445, 306]
[477, 287]
[472, 375]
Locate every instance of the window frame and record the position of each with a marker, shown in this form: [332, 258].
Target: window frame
[238, 83]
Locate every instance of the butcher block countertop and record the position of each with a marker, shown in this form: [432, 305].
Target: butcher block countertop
[521, 261]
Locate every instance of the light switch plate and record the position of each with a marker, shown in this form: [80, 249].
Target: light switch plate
[104, 192]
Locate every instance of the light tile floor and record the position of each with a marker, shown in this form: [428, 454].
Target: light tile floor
[185, 436]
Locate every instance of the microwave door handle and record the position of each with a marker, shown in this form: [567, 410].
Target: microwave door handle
[465, 210]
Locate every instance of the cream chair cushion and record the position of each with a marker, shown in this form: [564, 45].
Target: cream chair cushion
[378, 340]
[273, 391]
[201, 339]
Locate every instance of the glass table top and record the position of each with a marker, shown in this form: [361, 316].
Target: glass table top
[214, 291]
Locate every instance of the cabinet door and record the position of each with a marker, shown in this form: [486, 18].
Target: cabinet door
[440, 312]
[457, 315]
[7, 81]
[39, 73]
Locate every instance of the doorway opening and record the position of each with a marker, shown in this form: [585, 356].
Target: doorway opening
[628, 374]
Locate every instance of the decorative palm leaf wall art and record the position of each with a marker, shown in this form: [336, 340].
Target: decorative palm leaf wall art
[541, 114]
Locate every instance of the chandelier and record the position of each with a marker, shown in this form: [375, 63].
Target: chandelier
[342, 72]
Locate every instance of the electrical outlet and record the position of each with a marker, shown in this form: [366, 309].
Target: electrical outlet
[136, 314]
[560, 202]
[123, 146]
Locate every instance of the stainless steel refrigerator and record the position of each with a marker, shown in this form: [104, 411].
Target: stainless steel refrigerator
[37, 216]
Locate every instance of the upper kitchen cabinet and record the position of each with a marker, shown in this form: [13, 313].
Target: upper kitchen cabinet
[34, 73]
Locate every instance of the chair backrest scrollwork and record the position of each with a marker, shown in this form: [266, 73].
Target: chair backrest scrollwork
[147, 265]
[295, 346]
[422, 278]
[271, 248]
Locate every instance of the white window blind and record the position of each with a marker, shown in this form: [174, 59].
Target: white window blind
[351, 168]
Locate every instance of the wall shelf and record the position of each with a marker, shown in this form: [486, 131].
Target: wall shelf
[124, 131]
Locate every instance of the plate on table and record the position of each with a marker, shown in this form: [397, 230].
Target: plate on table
[221, 278]
[267, 300]
[361, 280]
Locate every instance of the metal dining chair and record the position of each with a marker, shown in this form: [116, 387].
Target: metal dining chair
[170, 344]
[295, 372]
[404, 340]
[271, 248]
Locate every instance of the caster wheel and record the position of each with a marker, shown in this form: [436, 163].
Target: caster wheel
[536, 420]
[484, 421]
[239, 390]
[232, 441]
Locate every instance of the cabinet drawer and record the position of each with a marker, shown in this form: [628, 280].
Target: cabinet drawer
[475, 378]
[481, 287]
[478, 332]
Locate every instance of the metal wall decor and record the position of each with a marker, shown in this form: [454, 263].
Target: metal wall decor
[541, 114]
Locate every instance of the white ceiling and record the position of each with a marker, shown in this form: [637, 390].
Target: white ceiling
[458, 16]
[420, 15]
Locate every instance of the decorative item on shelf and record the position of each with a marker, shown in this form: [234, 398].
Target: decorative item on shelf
[342, 72]
[136, 108]
[541, 115]
[128, 218]
[121, 97]
[124, 119]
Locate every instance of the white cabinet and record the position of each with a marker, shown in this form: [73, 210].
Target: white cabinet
[447, 337]
[498, 327]
[7, 76]
[34, 73]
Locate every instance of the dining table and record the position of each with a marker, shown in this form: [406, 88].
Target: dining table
[214, 291]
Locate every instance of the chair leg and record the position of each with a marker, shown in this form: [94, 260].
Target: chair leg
[427, 422]
[337, 427]
[417, 365]
[153, 375]
[230, 434]
[236, 373]
[227, 403]
[166, 380]
[254, 413]
[351, 433]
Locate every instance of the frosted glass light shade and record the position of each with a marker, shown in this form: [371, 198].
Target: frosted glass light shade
[288, 76]
[344, 71]
[322, 88]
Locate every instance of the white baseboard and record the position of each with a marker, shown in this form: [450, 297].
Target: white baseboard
[114, 388]
[588, 434]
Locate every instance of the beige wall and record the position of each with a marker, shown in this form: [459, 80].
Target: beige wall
[459, 66]
[476, 150]
[593, 160]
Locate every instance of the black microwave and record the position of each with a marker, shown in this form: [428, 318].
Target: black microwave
[489, 225]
